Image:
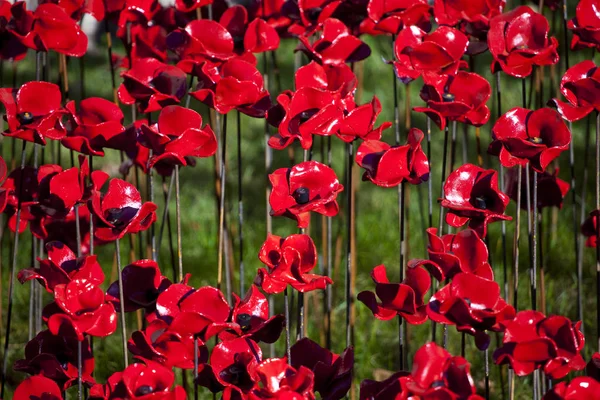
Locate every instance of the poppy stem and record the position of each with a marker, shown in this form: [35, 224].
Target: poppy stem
[151, 198]
[534, 239]
[223, 140]
[486, 355]
[110, 58]
[329, 289]
[13, 266]
[516, 238]
[122, 303]
[598, 230]
[286, 305]
[503, 222]
[79, 349]
[582, 216]
[196, 355]
[240, 203]
[350, 160]
[178, 218]
[166, 220]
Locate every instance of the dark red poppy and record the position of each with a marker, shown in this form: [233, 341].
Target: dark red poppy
[523, 136]
[65, 229]
[585, 25]
[473, 304]
[592, 369]
[20, 187]
[308, 186]
[471, 195]
[152, 85]
[38, 387]
[176, 137]
[190, 5]
[55, 357]
[335, 45]
[590, 229]
[279, 380]
[201, 40]
[34, 112]
[533, 341]
[289, 262]
[336, 79]
[518, 40]
[308, 15]
[75, 9]
[405, 299]
[4, 191]
[271, 11]
[461, 252]
[256, 36]
[581, 87]
[580, 388]
[120, 210]
[359, 122]
[332, 372]
[392, 16]
[553, 188]
[148, 380]
[131, 14]
[15, 21]
[461, 97]
[438, 52]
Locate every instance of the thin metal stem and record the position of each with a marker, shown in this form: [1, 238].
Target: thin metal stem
[286, 305]
[350, 160]
[122, 302]
[222, 179]
[240, 203]
[178, 218]
[534, 239]
[582, 212]
[329, 289]
[516, 238]
[598, 230]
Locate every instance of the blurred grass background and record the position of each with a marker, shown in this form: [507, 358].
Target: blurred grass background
[377, 242]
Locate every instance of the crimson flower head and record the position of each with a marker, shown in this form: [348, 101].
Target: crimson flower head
[473, 304]
[438, 52]
[289, 262]
[461, 97]
[461, 252]
[471, 195]
[254, 37]
[120, 210]
[585, 25]
[332, 372]
[580, 85]
[579, 388]
[592, 369]
[335, 45]
[55, 357]
[403, 299]
[176, 138]
[359, 122]
[38, 387]
[518, 40]
[148, 380]
[523, 136]
[532, 341]
[201, 40]
[76, 8]
[279, 380]
[4, 191]
[553, 188]
[92, 126]
[15, 21]
[308, 186]
[34, 112]
[590, 229]
[20, 187]
[392, 16]
[190, 5]
[152, 85]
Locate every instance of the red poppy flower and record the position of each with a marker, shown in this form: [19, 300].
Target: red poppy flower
[459, 97]
[473, 304]
[190, 5]
[148, 42]
[471, 195]
[521, 136]
[279, 380]
[65, 229]
[579, 388]
[176, 137]
[92, 126]
[120, 210]
[15, 21]
[55, 357]
[254, 37]
[359, 122]
[581, 87]
[592, 369]
[553, 188]
[335, 45]
[438, 52]
[403, 299]
[332, 372]
[388, 166]
[393, 387]
[152, 85]
[135, 13]
[336, 79]
[585, 25]
[140, 381]
[308, 186]
[533, 341]
[392, 16]
[201, 40]
[34, 112]
[75, 9]
[4, 191]
[20, 187]
[590, 228]
[165, 346]
[38, 387]
[271, 11]
[461, 252]
[308, 15]
[518, 40]
[289, 262]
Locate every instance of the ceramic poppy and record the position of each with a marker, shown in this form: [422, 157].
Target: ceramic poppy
[553, 188]
[55, 357]
[518, 40]
[590, 229]
[464, 251]
[533, 341]
[580, 85]
[332, 372]
[75, 9]
[473, 304]
[359, 122]
[392, 16]
[201, 40]
[471, 195]
[280, 380]
[176, 137]
[308, 186]
[289, 262]
[120, 210]
[255, 36]
[34, 112]
[272, 11]
[579, 388]
[132, 14]
[523, 136]
[308, 15]
[20, 188]
[148, 42]
[388, 166]
[585, 25]
[405, 299]
[191, 5]
[65, 229]
[4, 191]
[592, 369]
[15, 22]
[38, 387]
[152, 85]
[438, 52]
[336, 79]
[461, 98]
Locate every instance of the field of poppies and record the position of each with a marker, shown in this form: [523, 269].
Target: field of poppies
[182, 209]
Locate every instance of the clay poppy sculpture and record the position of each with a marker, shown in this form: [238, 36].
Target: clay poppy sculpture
[553, 188]
[392, 16]
[589, 228]
[15, 22]
[579, 388]
[580, 85]
[585, 25]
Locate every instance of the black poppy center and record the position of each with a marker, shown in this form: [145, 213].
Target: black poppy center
[233, 374]
[238, 42]
[144, 390]
[302, 195]
[243, 321]
[313, 13]
[25, 117]
[448, 97]
[481, 202]
[535, 140]
[437, 384]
